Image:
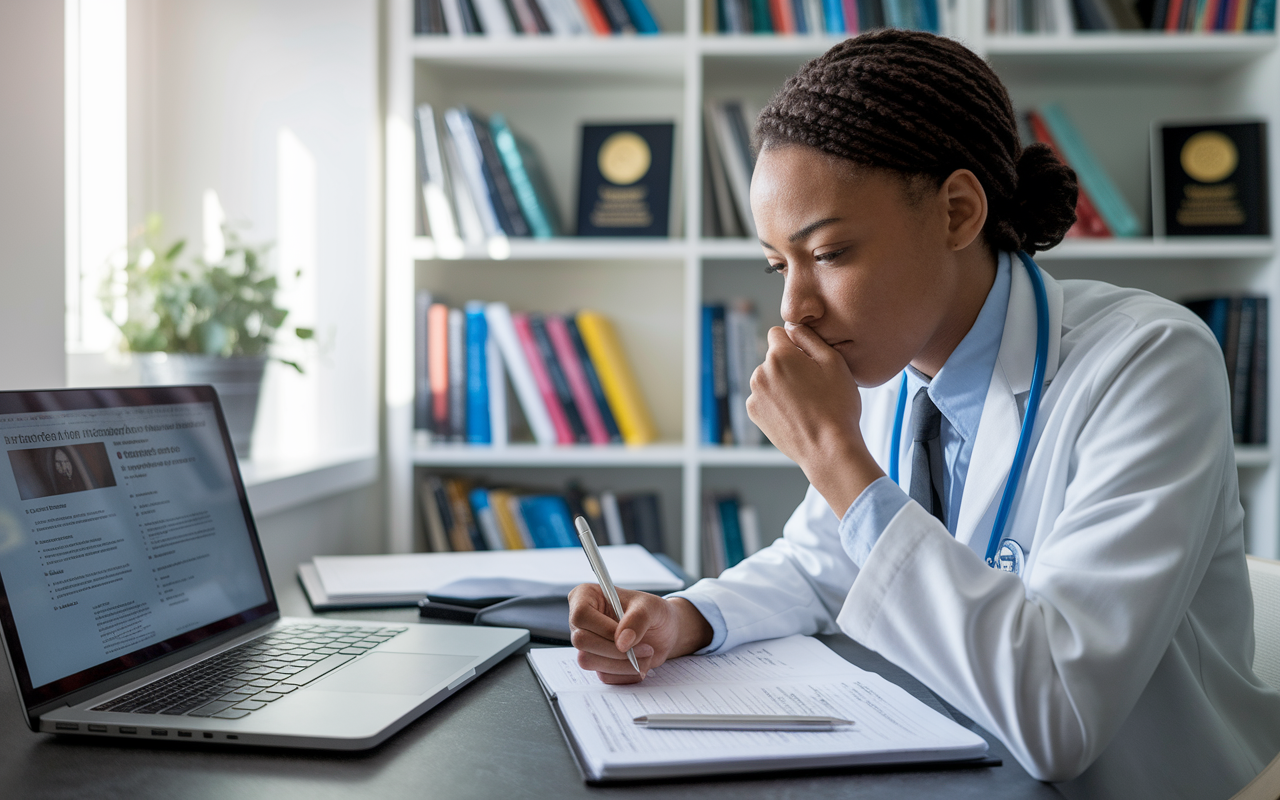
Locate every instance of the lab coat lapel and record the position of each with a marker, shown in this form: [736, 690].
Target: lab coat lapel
[1001, 422]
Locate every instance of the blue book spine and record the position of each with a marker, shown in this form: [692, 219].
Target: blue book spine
[547, 517]
[1114, 209]
[710, 413]
[1264, 15]
[802, 22]
[1218, 320]
[509, 151]
[478, 430]
[733, 549]
[834, 15]
[896, 14]
[927, 15]
[593, 380]
[641, 16]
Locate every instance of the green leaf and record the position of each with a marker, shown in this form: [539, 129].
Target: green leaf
[293, 364]
[304, 333]
[176, 250]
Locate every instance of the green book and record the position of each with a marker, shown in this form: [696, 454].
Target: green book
[1115, 210]
[534, 207]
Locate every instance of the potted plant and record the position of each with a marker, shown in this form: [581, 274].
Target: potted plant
[197, 322]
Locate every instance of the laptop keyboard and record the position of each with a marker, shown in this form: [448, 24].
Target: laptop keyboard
[244, 679]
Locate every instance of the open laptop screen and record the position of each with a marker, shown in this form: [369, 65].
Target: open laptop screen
[124, 532]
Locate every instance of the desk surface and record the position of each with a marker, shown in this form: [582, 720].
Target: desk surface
[496, 739]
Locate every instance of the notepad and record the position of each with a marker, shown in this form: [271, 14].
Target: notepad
[794, 675]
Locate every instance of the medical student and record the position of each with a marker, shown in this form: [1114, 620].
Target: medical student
[1022, 491]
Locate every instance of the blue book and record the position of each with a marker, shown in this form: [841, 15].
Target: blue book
[533, 206]
[1095, 181]
[548, 520]
[802, 22]
[927, 15]
[710, 411]
[1263, 17]
[593, 380]
[733, 549]
[1218, 320]
[897, 14]
[478, 431]
[640, 16]
[834, 15]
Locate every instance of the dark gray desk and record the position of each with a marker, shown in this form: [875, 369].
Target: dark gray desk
[496, 741]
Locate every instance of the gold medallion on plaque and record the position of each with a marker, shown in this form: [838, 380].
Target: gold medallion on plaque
[1209, 157]
[624, 158]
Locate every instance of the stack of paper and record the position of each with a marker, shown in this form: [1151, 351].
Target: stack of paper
[795, 675]
[348, 581]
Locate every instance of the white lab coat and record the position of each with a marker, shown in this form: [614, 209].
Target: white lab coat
[1119, 661]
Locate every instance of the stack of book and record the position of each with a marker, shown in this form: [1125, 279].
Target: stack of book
[479, 181]
[829, 17]
[730, 532]
[459, 516]
[731, 350]
[1240, 326]
[569, 372]
[728, 163]
[1067, 16]
[1100, 208]
[511, 17]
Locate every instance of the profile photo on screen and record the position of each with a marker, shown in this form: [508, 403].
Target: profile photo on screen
[44, 471]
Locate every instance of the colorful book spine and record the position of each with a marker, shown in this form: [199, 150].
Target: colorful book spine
[510, 218]
[593, 381]
[559, 382]
[1263, 17]
[620, 385]
[421, 362]
[619, 20]
[1258, 377]
[595, 17]
[524, 334]
[760, 22]
[470, 159]
[567, 356]
[502, 328]
[784, 17]
[438, 367]
[641, 17]
[852, 24]
[833, 15]
[499, 422]
[478, 420]
[530, 204]
[457, 375]
[731, 525]
[486, 520]
[1115, 210]
[547, 517]
[1089, 222]
[710, 409]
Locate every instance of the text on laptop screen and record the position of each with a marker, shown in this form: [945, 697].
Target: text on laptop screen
[119, 528]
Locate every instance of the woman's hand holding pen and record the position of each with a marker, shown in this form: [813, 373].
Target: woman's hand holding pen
[658, 629]
[805, 399]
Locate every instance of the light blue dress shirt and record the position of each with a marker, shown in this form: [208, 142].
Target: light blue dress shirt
[959, 390]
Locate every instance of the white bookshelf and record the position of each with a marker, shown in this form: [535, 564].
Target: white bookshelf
[1113, 86]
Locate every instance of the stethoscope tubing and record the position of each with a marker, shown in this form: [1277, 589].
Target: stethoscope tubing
[1028, 421]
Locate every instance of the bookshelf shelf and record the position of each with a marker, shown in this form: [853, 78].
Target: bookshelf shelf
[1113, 84]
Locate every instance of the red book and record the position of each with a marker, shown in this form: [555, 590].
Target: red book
[1209, 19]
[564, 434]
[438, 367]
[784, 18]
[1089, 222]
[595, 17]
[851, 24]
[1174, 16]
[567, 355]
[526, 17]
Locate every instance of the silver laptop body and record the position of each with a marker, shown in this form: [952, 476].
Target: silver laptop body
[135, 600]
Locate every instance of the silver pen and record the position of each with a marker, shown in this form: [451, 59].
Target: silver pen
[741, 722]
[602, 575]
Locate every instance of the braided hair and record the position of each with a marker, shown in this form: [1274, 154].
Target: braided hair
[924, 105]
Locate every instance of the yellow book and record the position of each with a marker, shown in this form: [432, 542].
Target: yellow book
[620, 386]
[500, 502]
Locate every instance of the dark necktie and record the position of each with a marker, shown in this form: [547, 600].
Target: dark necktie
[926, 457]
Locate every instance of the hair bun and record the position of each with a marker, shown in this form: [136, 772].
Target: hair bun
[1044, 202]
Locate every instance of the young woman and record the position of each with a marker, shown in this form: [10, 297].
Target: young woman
[1064, 562]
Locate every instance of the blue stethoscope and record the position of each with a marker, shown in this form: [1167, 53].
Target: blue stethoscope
[1002, 553]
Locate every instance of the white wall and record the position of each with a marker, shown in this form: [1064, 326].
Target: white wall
[32, 233]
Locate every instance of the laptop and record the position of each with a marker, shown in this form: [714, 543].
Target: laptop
[135, 600]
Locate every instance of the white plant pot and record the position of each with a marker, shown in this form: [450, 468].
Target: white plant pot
[238, 381]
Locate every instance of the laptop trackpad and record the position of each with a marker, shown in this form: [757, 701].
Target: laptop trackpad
[394, 673]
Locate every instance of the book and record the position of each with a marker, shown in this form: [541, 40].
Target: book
[612, 518]
[470, 224]
[534, 207]
[1113, 207]
[1258, 377]
[1211, 179]
[486, 519]
[464, 534]
[542, 379]
[625, 180]
[833, 16]
[641, 17]
[467, 148]
[775, 676]
[494, 18]
[559, 383]
[707, 388]
[502, 329]
[510, 217]
[721, 197]
[742, 342]
[641, 517]
[849, 12]
[620, 385]
[731, 526]
[439, 220]
[517, 517]
[736, 156]
[595, 17]
[421, 368]
[457, 375]
[593, 380]
[566, 355]
[1089, 222]
[784, 19]
[760, 22]
[438, 368]
[1240, 393]
[436, 536]
[479, 430]
[500, 502]
[617, 15]
[547, 517]
[713, 560]
[454, 25]
[720, 376]
[749, 522]
[499, 423]
[485, 574]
